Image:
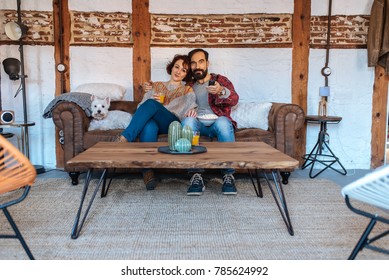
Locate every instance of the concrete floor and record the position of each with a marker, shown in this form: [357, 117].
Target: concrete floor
[342, 180]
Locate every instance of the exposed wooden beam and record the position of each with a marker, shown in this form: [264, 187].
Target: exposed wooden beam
[379, 117]
[300, 61]
[61, 44]
[141, 29]
[61, 18]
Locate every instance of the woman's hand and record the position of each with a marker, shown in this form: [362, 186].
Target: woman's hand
[155, 96]
[191, 113]
[147, 86]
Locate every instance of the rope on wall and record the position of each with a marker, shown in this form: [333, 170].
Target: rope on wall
[324, 92]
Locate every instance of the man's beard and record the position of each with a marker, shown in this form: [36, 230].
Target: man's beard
[199, 74]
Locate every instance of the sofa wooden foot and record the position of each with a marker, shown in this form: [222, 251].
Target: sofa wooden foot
[74, 177]
[285, 177]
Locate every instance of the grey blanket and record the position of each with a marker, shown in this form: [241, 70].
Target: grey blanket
[82, 99]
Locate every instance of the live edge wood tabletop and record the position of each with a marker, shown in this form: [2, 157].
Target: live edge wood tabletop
[238, 155]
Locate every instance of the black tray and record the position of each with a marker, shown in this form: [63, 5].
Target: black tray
[194, 150]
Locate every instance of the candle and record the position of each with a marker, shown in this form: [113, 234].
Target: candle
[324, 91]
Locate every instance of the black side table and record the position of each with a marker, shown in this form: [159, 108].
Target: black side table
[319, 152]
[23, 131]
[25, 141]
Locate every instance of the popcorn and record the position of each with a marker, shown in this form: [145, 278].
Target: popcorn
[208, 117]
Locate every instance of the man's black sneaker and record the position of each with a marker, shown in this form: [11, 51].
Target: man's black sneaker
[229, 184]
[196, 185]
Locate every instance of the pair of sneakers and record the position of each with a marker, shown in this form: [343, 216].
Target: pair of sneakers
[197, 185]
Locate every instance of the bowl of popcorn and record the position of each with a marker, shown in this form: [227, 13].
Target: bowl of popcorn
[207, 119]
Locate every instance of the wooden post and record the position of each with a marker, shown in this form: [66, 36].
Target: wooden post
[141, 30]
[300, 58]
[379, 121]
[61, 55]
[61, 44]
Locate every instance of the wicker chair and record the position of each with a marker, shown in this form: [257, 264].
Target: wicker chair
[373, 190]
[17, 175]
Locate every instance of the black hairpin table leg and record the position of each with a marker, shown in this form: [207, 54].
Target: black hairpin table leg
[257, 188]
[280, 198]
[105, 188]
[77, 225]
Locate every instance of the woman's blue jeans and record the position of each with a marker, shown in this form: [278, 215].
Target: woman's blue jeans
[222, 129]
[149, 120]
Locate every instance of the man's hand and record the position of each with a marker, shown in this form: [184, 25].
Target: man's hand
[216, 89]
[191, 113]
[147, 86]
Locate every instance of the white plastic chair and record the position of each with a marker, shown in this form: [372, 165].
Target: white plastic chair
[372, 189]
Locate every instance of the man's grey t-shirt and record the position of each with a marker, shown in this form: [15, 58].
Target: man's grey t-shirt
[202, 99]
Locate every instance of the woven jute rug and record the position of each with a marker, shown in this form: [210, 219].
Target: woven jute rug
[133, 223]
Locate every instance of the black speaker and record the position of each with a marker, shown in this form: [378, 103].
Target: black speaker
[7, 117]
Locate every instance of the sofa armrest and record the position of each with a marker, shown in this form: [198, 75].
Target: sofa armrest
[285, 119]
[72, 123]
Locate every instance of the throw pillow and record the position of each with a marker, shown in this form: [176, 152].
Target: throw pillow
[252, 114]
[102, 90]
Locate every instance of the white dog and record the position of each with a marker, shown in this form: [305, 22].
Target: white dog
[103, 119]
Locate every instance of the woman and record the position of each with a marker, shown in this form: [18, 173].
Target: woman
[153, 118]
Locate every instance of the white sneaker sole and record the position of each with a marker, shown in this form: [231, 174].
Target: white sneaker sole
[196, 193]
[230, 193]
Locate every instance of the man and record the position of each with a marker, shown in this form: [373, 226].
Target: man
[217, 99]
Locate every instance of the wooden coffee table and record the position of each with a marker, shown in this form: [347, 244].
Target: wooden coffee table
[254, 156]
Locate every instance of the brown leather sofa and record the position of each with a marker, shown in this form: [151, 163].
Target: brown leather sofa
[285, 120]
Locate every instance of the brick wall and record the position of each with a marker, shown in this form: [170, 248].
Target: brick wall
[252, 30]
[86, 27]
[345, 31]
[40, 25]
[247, 29]
[100, 28]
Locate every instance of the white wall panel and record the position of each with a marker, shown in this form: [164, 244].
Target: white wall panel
[105, 65]
[220, 6]
[40, 90]
[41, 5]
[351, 85]
[101, 5]
[350, 7]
